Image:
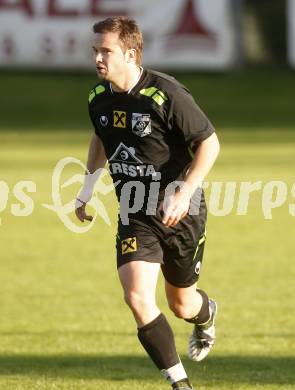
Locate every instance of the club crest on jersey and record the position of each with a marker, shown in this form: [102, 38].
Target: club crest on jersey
[141, 124]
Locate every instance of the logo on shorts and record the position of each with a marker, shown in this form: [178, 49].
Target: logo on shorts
[141, 124]
[129, 245]
[120, 119]
[198, 267]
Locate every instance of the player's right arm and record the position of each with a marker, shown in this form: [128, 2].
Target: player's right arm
[96, 160]
[96, 155]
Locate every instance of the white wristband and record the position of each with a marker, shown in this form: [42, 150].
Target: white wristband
[89, 182]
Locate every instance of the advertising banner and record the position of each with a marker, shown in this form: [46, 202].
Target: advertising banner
[185, 34]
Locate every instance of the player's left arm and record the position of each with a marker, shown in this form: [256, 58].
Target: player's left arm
[177, 206]
[203, 161]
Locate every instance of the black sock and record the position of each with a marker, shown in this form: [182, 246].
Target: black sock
[204, 315]
[158, 340]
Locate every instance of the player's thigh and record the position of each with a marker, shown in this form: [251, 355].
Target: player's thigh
[139, 277]
[139, 255]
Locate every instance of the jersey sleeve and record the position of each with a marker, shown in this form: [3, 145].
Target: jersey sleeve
[187, 117]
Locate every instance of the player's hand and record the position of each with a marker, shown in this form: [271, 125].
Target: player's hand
[174, 208]
[81, 212]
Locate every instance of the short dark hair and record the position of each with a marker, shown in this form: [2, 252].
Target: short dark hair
[129, 33]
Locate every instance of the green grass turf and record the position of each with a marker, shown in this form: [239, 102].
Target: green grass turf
[258, 97]
[63, 322]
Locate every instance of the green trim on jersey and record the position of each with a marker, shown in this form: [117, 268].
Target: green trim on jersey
[96, 91]
[156, 94]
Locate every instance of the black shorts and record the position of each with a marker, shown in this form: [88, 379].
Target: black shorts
[179, 249]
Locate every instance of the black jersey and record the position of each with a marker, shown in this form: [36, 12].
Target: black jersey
[149, 131]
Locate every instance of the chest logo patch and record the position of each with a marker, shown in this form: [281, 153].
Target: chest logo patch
[125, 154]
[141, 124]
[124, 161]
[120, 119]
[103, 120]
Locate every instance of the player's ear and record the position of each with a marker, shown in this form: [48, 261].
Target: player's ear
[131, 56]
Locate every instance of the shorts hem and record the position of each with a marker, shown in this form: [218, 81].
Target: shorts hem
[159, 261]
[180, 284]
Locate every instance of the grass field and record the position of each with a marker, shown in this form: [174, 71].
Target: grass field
[63, 322]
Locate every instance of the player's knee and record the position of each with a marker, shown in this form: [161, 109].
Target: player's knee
[180, 310]
[136, 301]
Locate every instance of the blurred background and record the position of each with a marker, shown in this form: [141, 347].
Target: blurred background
[246, 47]
[61, 303]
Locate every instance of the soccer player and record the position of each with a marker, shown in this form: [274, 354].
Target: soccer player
[154, 137]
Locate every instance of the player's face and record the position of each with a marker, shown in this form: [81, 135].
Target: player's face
[109, 56]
